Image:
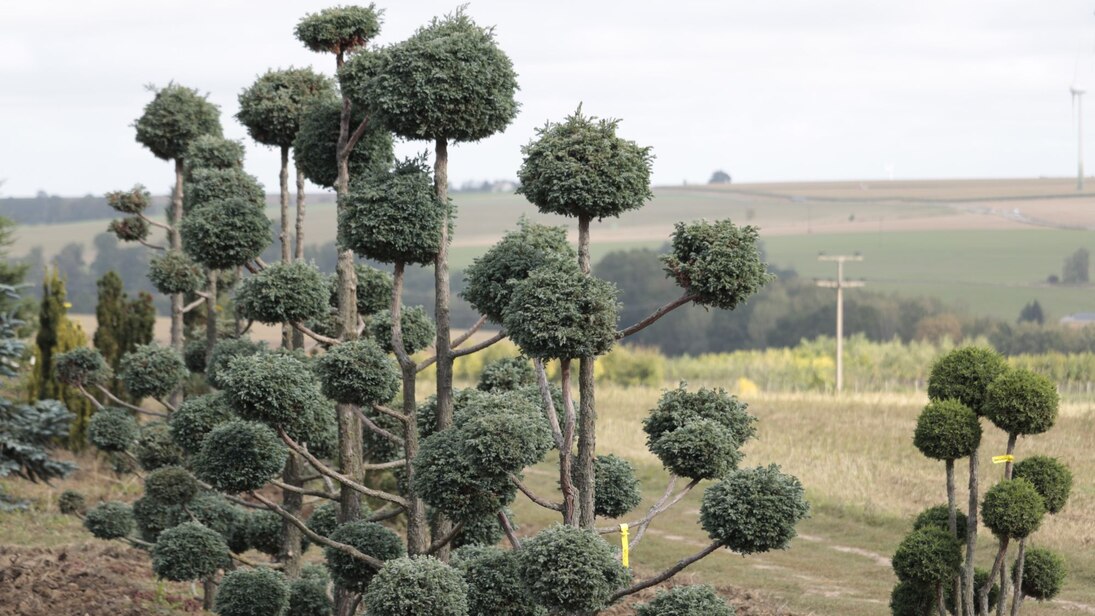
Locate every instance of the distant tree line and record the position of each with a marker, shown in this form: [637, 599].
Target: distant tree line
[44, 209]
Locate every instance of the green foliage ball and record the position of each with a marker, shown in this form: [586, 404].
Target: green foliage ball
[1013, 508]
[176, 117]
[753, 510]
[1050, 477]
[415, 586]
[194, 356]
[504, 442]
[172, 485]
[112, 429]
[376, 448]
[174, 272]
[212, 187]
[964, 374]
[485, 530]
[506, 374]
[81, 367]
[939, 517]
[324, 519]
[449, 80]
[717, 262]
[494, 582]
[270, 108]
[928, 556]
[284, 293]
[129, 229]
[909, 599]
[226, 233]
[274, 388]
[568, 569]
[252, 592]
[189, 551]
[1022, 402]
[699, 434]
[419, 331]
[616, 489]
[133, 201]
[224, 351]
[368, 537]
[449, 482]
[1044, 574]
[109, 520]
[697, 600]
[196, 417]
[358, 372]
[227, 519]
[316, 143]
[393, 216]
[308, 597]
[155, 448]
[338, 29]
[561, 313]
[239, 456]
[71, 502]
[152, 517]
[491, 277]
[213, 152]
[947, 430]
[265, 531]
[581, 168]
[374, 289]
[152, 371]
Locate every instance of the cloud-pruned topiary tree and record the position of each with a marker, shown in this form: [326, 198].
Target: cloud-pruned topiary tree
[417, 585]
[567, 569]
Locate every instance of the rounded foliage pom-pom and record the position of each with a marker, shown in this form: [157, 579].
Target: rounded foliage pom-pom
[270, 107]
[112, 429]
[718, 263]
[1013, 508]
[71, 502]
[506, 374]
[368, 537]
[964, 374]
[338, 29]
[227, 519]
[155, 447]
[569, 569]
[129, 229]
[284, 292]
[939, 517]
[239, 456]
[213, 152]
[679, 407]
[172, 485]
[911, 599]
[174, 272]
[189, 551]
[1044, 573]
[194, 355]
[562, 313]
[308, 597]
[494, 582]
[374, 289]
[153, 517]
[176, 117]
[490, 278]
[152, 371]
[1022, 402]
[81, 367]
[700, 449]
[753, 510]
[274, 388]
[196, 417]
[697, 600]
[1050, 477]
[947, 430]
[485, 530]
[109, 520]
[502, 443]
[358, 372]
[264, 531]
[252, 592]
[581, 168]
[394, 216]
[616, 489]
[324, 519]
[417, 585]
[316, 143]
[448, 481]
[928, 556]
[133, 201]
[226, 233]
[224, 351]
[426, 87]
[417, 328]
[213, 188]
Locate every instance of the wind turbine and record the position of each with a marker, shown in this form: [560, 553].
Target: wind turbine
[1078, 106]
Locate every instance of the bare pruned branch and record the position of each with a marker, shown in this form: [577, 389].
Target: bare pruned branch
[304, 491]
[380, 408]
[549, 403]
[317, 538]
[194, 304]
[370, 424]
[507, 527]
[475, 348]
[320, 338]
[546, 504]
[339, 477]
[447, 539]
[665, 575]
[462, 338]
[148, 244]
[657, 314]
[116, 400]
[155, 223]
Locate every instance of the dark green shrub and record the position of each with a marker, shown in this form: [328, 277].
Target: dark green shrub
[939, 517]
[133, 201]
[265, 531]
[1013, 508]
[699, 434]
[274, 388]
[194, 356]
[717, 262]
[501, 443]
[947, 430]
[1022, 402]
[561, 313]
[213, 187]
[270, 108]
[416, 586]
[448, 481]
[753, 510]
[224, 351]
[189, 551]
[374, 289]
[129, 229]
[156, 448]
[152, 371]
[153, 517]
[1044, 573]
[368, 537]
[928, 557]
[171, 485]
[964, 374]
[567, 569]
[176, 117]
[909, 599]
[112, 429]
[81, 367]
[238, 456]
[226, 233]
[418, 329]
[507, 374]
[698, 600]
[980, 578]
[485, 530]
[213, 152]
[308, 597]
[284, 293]
[196, 417]
[358, 372]
[494, 582]
[324, 519]
[616, 489]
[316, 143]
[109, 520]
[252, 592]
[227, 519]
[338, 29]
[1050, 477]
[580, 168]
[71, 502]
[174, 272]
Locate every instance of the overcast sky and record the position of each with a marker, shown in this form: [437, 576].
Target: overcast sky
[772, 90]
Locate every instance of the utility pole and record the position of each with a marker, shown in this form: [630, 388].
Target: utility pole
[1078, 98]
[839, 284]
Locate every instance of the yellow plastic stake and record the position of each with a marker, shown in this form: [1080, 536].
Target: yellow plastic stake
[1003, 459]
[623, 543]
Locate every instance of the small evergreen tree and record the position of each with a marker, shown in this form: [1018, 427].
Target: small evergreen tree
[1076, 267]
[1032, 313]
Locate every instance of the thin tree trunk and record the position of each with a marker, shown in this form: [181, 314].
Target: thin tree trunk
[211, 315]
[1020, 561]
[940, 602]
[283, 235]
[587, 412]
[300, 215]
[570, 513]
[1005, 579]
[971, 538]
[997, 567]
[952, 524]
[442, 525]
[209, 593]
[175, 242]
[292, 502]
[418, 529]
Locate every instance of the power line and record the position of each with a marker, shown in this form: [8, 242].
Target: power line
[840, 284]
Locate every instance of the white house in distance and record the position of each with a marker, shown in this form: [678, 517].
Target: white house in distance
[1078, 319]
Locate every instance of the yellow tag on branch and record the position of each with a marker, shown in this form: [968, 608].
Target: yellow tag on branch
[623, 543]
[1003, 459]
